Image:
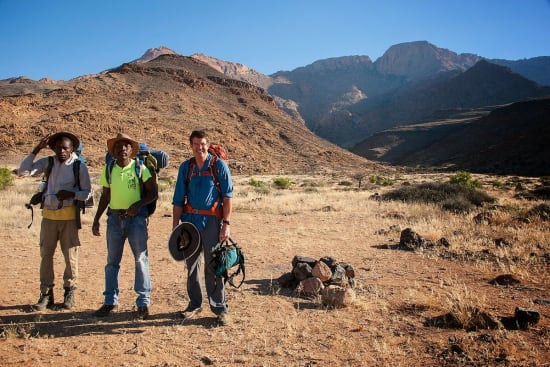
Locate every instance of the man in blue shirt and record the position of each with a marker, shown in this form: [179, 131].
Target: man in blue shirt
[202, 196]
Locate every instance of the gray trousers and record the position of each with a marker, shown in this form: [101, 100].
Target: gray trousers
[215, 289]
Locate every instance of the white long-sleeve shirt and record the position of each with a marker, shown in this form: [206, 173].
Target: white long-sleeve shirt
[61, 178]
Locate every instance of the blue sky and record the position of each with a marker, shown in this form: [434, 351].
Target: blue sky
[68, 38]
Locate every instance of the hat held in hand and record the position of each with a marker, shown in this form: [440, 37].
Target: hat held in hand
[184, 241]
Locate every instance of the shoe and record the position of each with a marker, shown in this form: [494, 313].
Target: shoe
[189, 312]
[105, 310]
[142, 312]
[45, 301]
[223, 319]
[68, 298]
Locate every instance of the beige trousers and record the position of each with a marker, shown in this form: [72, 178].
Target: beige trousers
[66, 233]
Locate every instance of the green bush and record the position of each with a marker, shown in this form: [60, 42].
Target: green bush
[464, 178]
[282, 182]
[377, 180]
[256, 183]
[6, 178]
[449, 196]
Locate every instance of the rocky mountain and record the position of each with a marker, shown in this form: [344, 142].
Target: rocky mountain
[153, 53]
[346, 100]
[511, 139]
[536, 68]
[483, 85]
[160, 102]
[422, 60]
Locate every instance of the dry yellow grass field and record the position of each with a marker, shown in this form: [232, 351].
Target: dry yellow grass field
[397, 291]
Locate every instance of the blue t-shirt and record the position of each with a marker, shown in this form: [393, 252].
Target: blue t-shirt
[201, 191]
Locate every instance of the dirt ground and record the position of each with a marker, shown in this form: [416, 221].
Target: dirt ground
[396, 292]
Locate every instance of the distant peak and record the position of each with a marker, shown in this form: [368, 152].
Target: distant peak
[153, 53]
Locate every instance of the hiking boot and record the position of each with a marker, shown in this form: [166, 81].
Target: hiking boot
[45, 301]
[223, 319]
[105, 310]
[142, 313]
[68, 298]
[189, 312]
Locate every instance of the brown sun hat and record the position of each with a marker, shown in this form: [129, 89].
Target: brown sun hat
[121, 136]
[55, 137]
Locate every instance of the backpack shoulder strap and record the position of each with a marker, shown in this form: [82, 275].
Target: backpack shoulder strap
[47, 172]
[76, 172]
[49, 168]
[192, 163]
[139, 173]
[109, 170]
[214, 172]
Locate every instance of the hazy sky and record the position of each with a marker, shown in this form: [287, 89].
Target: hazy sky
[67, 38]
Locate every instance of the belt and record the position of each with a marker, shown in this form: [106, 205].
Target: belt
[218, 212]
[118, 212]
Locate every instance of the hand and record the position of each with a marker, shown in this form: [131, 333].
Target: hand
[225, 232]
[64, 194]
[42, 144]
[95, 229]
[133, 210]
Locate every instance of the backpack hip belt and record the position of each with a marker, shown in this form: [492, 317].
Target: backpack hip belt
[214, 210]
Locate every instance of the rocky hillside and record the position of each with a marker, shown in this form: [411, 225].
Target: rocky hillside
[348, 99]
[536, 68]
[509, 140]
[422, 60]
[160, 102]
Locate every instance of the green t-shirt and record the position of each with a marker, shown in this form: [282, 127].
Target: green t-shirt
[124, 184]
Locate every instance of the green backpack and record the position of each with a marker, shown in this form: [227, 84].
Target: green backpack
[225, 256]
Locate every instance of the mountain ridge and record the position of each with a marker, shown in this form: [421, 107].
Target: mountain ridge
[160, 102]
[347, 99]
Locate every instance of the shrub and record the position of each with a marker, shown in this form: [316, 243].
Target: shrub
[374, 179]
[449, 196]
[6, 178]
[464, 178]
[542, 193]
[256, 183]
[282, 182]
[345, 183]
[541, 210]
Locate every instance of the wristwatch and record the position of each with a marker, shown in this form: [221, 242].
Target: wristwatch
[226, 222]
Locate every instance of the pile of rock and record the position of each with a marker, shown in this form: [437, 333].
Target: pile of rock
[326, 277]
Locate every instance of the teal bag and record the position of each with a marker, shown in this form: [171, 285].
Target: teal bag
[225, 256]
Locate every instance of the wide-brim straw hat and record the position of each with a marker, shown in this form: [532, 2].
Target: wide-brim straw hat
[52, 140]
[184, 241]
[121, 136]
